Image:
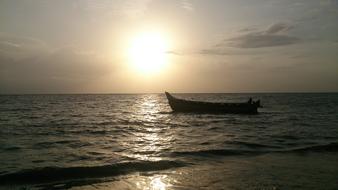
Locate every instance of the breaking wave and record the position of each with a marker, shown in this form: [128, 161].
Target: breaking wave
[52, 174]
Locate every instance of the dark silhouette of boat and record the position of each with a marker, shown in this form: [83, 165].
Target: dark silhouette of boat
[180, 105]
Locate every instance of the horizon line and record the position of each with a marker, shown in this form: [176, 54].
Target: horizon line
[131, 93]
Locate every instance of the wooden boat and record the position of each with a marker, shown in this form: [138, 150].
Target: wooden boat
[180, 105]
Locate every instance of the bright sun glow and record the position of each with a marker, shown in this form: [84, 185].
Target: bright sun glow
[147, 52]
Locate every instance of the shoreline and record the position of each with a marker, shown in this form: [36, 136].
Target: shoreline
[267, 171]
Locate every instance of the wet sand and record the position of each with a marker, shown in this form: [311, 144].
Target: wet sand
[269, 171]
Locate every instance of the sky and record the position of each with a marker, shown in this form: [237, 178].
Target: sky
[108, 46]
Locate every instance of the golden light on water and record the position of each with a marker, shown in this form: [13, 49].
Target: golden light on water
[147, 52]
[157, 184]
[152, 140]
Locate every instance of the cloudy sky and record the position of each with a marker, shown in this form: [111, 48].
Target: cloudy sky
[81, 46]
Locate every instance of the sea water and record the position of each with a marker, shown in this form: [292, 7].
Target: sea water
[135, 141]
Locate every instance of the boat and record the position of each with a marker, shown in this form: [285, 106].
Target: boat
[181, 105]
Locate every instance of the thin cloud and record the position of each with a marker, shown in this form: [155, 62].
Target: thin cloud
[61, 70]
[260, 40]
[278, 28]
[130, 8]
[19, 47]
[187, 5]
[247, 29]
[27, 63]
[134, 8]
[214, 51]
[173, 52]
[274, 35]
[18, 41]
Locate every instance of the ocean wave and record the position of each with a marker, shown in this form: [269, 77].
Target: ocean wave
[217, 152]
[287, 137]
[52, 143]
[12, 148]
[332, 147]
[252, 145]
[53, 174]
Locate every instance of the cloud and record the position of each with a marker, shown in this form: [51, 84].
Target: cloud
[247, 29]
[274, 35]
[214, 51]
[261, 40]
[278, 28]
[174, 52]
[19, 47]
[129, 8]
[23, 69]
[135, 8]
[249, 38]
[253, 38]
[187, 5]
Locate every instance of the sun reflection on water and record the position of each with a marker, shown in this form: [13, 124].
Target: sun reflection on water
[158, 182]
[150, 137]
[153, 141]
[148, 107]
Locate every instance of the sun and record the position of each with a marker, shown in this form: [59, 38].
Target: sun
[147, 52]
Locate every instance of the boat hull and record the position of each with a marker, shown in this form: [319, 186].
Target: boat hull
[180, 105]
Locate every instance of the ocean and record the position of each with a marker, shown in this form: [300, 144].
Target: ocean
[135, 141]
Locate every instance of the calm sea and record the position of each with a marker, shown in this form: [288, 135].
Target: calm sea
[136, 142]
